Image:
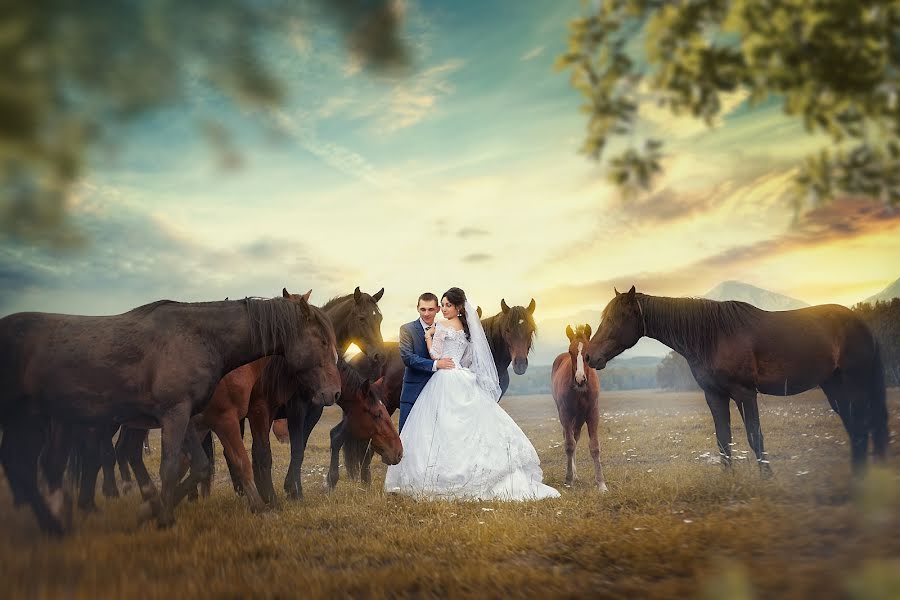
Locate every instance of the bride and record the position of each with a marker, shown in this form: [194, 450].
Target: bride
[457, 441]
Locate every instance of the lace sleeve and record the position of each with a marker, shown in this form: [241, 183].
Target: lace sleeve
[466, 360]
[437, 342]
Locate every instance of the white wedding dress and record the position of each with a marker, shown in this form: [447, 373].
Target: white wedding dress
[457, 441]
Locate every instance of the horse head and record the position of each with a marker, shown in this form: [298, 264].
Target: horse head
[313, 351]
[364, 324]
[368, 418]
[578, 343]
[621, 326]
[517, 329]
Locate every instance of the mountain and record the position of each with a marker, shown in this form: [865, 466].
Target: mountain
[758, 297]
[891, 291]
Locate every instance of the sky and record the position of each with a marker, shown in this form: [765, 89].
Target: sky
[464, 173]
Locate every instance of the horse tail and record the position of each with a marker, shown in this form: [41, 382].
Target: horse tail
[878, 413]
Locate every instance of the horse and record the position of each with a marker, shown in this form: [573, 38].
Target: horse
[355, 319]
[510, 334]
[576, 391]
[156, 365]
[364, 413]
[736, 350]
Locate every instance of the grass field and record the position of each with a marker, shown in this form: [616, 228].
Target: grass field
[672, 526]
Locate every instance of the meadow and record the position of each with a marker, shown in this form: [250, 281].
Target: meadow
[674, 524]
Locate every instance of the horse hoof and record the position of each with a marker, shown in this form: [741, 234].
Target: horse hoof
[602, 488]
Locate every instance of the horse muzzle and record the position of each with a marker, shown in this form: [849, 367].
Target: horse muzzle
[596, 362]
[520, 365]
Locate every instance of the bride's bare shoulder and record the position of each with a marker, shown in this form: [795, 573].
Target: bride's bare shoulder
[449, 326]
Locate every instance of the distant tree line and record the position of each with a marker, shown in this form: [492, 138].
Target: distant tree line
[883, 318]
[536, 379]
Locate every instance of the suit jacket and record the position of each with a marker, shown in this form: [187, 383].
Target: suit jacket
[419, 363]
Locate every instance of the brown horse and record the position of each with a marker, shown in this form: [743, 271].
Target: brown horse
[156, 365]
[510, 334]
[736, 350]
[357, 320]
[576, 391]
[363, 409]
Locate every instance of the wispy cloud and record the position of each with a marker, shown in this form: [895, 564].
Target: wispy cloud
[533, 53]
[471, 232]
[477, 257]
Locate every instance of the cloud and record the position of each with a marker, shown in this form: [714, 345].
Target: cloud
[411, 100]
[477, 257]
[533, 53]
[134, 258]
[662, 123]
[844, 219]
[470, 232]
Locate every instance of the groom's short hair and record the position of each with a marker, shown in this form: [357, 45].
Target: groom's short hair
[428, 297]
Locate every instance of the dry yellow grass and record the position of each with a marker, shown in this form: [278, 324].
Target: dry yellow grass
[672, 525]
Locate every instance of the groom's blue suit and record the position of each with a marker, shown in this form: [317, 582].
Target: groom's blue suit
[419, 366]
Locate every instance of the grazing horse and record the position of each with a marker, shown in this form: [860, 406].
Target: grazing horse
[154, 365]
[576, 391]
[736, 350]
[510, 334]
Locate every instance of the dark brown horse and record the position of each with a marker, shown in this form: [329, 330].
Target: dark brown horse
[576, 391]
[356, 319]
[736, 350]
[510, 334]
[155, 365]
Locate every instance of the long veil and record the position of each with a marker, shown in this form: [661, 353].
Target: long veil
[482, 360]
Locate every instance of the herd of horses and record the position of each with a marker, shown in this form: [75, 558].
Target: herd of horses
[70, 383]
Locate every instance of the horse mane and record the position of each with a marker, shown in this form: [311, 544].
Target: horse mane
[697, 322]
[351, 378]
[146, 309]
[274, 320]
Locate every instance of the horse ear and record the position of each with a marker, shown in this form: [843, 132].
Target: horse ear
[531, 306]
[504, 306]
[307, 295]
[587, 330]
[616, 291]
[284, 293]
[569, 333]
[478, 310]
[378, 296]
[631, 294]
[357, 294]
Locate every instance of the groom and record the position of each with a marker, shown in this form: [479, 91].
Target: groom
[419, 364]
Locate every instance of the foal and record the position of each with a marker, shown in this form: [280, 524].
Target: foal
[576, 390]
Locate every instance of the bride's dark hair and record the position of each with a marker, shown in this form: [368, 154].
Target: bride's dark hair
[457, 298]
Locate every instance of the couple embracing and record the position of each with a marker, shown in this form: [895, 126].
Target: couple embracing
[458, 443]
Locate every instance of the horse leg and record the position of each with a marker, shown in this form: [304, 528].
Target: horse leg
[54, 460]
[86, 455]
[337, 441]
[20, 449]
[132, 450]
[718, 406]
[229, 434]
[838, 390]
[199, 464]
[569, 436]
[302, 417]
[122, 460]
[260, 424]
[174, 426]
[748, 404]
[593, 422]
[108, 462]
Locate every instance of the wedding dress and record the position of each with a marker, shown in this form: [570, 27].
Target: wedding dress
[457, 441]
